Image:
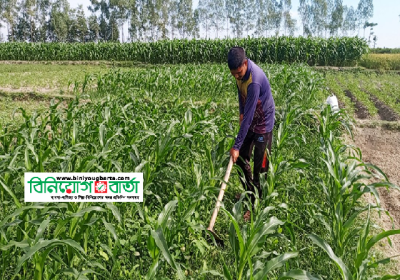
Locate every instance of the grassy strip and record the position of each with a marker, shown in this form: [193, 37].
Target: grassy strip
[10, 113]
[42, 78]
[381, 61]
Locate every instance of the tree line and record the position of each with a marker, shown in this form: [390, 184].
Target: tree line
[151, 20]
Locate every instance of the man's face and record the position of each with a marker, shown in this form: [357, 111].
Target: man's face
[240, 71]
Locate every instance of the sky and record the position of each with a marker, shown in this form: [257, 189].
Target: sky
[386, 14]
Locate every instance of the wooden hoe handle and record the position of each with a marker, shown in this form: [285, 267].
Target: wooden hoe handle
[220, 196]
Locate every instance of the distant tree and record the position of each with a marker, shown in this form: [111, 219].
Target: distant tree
[196, 18]
[218, 15]
[81, 25]
[22, 28]
[371, 26]
[2, 2]
[289, 24]
[121, 14]
[108, 19]
[375, 39]
[163, 8]
[103, 26]
[185, 18]
[149, 6]
[274, 16]
[336, 11]
[230, 16]
[9, 15]
[43, 13]
[173, 18]
[25, 25]
[94, 29]
[59, 21]
[350, 20]
[319, 15]
[236, 16]
[305, 11]
[249, 22]
[204, 14]
[261, 27]
[134, 19]
[113, 28]
[365, 11]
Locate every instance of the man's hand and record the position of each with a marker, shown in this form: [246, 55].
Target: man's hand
[240, 119]
[234, 154]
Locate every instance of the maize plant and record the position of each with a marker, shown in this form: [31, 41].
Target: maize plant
[313, 51]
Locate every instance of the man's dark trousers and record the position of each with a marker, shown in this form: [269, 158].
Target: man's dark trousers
[259, 142]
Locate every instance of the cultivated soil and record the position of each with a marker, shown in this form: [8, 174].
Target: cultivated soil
[384, 111]
[360, 109]
[381, 148]
[379, 141]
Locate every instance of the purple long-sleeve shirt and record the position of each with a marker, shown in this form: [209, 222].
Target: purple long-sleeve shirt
[255, 103]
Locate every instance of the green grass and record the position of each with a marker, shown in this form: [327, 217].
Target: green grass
[10, 103]
[31, 86]
[42, 78]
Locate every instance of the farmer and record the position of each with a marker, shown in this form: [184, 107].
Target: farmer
[257, 116]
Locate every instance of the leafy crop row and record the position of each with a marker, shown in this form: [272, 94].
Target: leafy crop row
[314, 51]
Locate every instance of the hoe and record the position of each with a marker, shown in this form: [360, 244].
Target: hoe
[218, 204]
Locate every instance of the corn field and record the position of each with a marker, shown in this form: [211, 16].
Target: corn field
[176, 125]
[313, 51]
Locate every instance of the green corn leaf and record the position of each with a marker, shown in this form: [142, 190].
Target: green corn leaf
[152, 247]
[299, 274]
[274, 264]
[166, 213]
[378, 237]
[162, 245]
[268, 228]
[41, 229]
[102, 129]
[110, 228]
[82, 212]
[11, 193]
[151, 274]
[18, 212]
[12, 243]
[227, 274]
[325, 246]
[45, 243]
[114, 210]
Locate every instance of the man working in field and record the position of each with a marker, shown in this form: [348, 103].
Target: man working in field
[257, 116]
